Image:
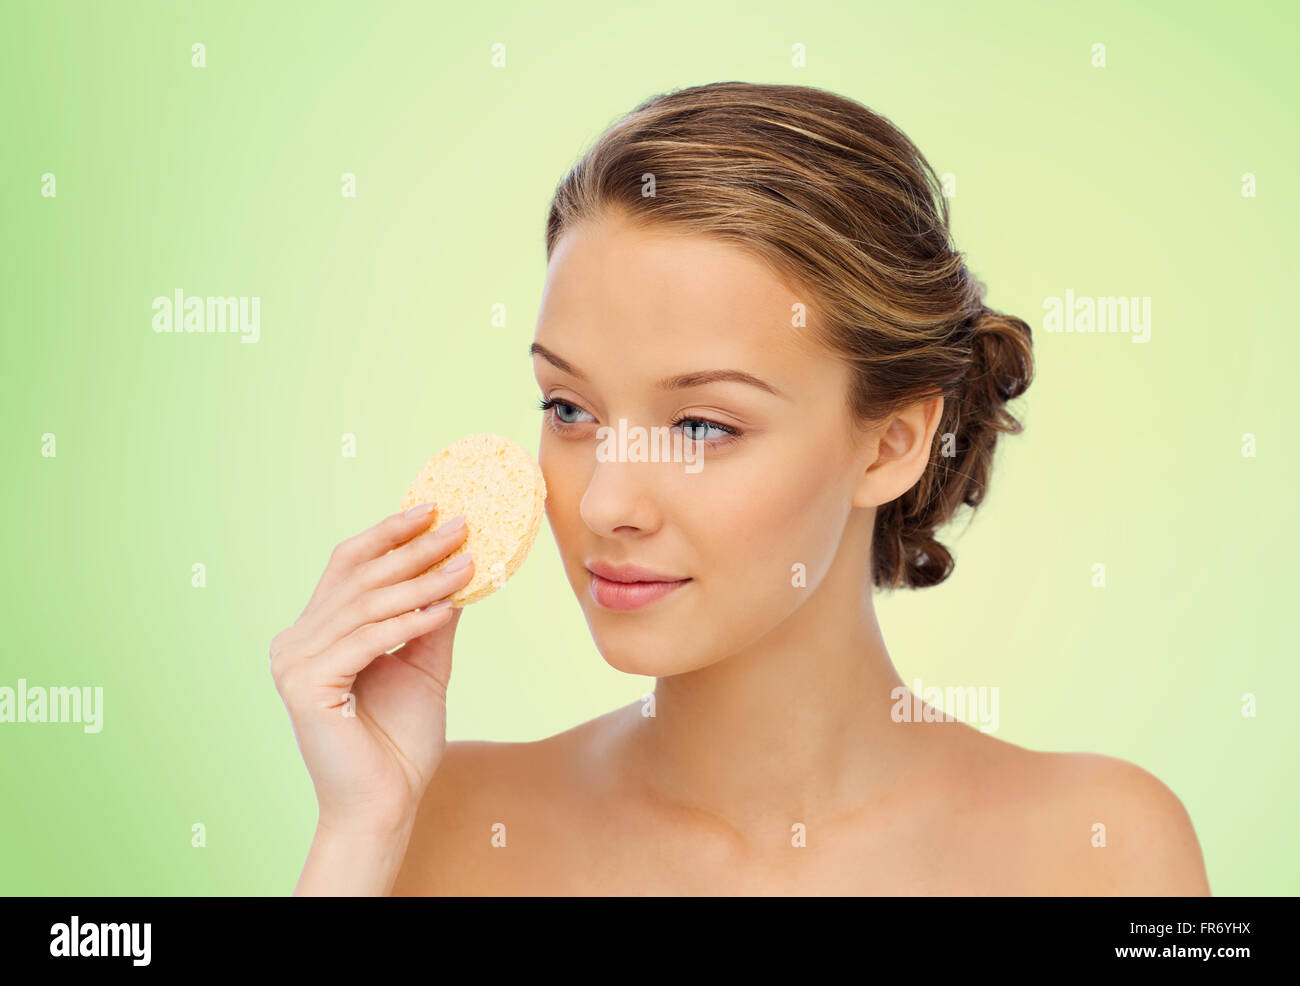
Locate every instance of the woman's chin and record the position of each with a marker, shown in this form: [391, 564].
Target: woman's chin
[636, 662]
[653, 661]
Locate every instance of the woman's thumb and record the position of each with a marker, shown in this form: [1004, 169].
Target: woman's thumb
[431, 652]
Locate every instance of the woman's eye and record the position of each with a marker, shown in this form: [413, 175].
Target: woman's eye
[562, 408]
[695, 429]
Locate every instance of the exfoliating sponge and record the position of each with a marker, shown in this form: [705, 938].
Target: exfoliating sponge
[499, 488]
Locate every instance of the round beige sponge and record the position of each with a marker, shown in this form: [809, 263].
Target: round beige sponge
[499, 488]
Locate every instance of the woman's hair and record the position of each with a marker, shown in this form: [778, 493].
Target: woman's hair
[840, 203]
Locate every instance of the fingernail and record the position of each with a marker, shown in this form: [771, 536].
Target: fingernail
[438, 607]
[451, 525]
[420, 509]
[456, 564]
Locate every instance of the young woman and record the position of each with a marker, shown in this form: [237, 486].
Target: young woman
[768, 271]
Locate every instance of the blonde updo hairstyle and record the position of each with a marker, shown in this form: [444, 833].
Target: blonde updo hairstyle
[837, 200]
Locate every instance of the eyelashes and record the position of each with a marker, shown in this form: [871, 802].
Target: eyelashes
[560, 427]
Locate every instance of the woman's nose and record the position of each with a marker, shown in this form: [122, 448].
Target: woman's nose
[620, 498]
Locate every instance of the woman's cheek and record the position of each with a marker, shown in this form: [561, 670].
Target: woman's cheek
[746, 547]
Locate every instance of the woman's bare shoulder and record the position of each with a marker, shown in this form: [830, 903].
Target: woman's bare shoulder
[1142, 841]
[493, 818]
[1096, 824]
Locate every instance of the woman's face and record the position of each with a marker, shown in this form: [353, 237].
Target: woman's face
[623, 310]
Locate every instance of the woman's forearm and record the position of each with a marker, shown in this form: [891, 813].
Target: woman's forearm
[343, 863]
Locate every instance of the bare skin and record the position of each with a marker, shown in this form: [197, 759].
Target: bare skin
[771, 763]
[988, 819]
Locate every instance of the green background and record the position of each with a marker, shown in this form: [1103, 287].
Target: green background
[376, 321]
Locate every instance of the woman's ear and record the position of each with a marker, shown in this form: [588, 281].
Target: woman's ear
[897, 452]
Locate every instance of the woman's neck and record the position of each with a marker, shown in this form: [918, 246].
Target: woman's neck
[795, 728]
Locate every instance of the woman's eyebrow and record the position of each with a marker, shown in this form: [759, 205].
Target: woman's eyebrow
[680, 381]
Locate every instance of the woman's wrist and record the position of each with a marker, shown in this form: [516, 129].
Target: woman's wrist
[351, 861]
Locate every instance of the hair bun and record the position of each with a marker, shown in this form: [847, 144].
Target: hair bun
[927, 561]
[1000, 369]
[1002, 358]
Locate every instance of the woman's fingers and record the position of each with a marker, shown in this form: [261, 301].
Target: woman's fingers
[413, 558]
[383, 603]
[431, 652]
[353, 653]
[371, 543]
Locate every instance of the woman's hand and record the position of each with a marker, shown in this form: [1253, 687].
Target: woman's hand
[372, 726]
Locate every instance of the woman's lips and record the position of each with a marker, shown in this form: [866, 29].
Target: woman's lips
[629, 595]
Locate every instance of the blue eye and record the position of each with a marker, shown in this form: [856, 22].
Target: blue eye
[548, 404]
[692, 429]
[701, 424]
